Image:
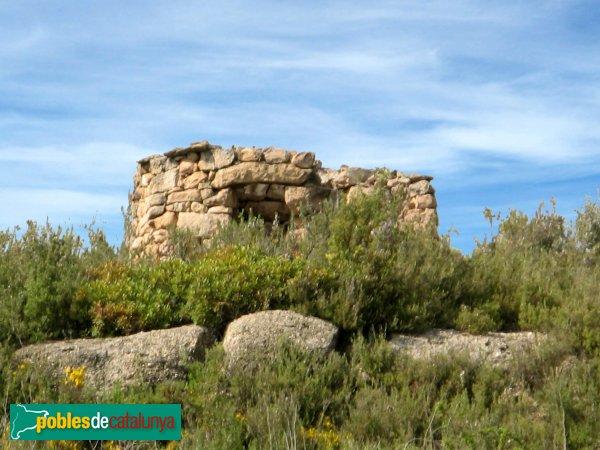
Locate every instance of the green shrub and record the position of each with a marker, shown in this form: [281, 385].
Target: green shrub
[520, 278]
[126, 298]
[478, 320]
[386, 277]
[211, 290]
[587, 227]
[233, 281]
[40, 273]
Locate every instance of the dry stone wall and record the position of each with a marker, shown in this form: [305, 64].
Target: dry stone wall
[203, 187]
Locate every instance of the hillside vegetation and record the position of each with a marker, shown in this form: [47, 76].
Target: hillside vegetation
[357, 269]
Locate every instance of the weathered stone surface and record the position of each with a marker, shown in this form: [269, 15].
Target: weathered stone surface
[192, 156]
[163, 181]
[421, 217]
[179, 207]
[149, 357]
[350, 176]
[269, 210]
[206, 161]
[400, 181]
[203, 225]
[260, 333]
[167, 219]
[276, 192]
[254, 192]
[189, 195]
[497, 348]
[190, 221]
[423, 201]
[421, 187]
[176, 152]
[160, 236]
[194, 180]
[216, 159]
[225, 197]
[224, 158]
[144, 161]
[162, 164]
[137, 244]
[198, 207]
[155, 211]
[356, 192]
[275, 155]
[325, 176]
[200, 146]
[139, 194]
[145, 179]
[206, 191]
[256, 172]
[304, 160]
[186, 168]
[250, 154]
[156, 199]
[414, 177]
[141, 209]
[220, 210]
[299, 196]
[194, 147]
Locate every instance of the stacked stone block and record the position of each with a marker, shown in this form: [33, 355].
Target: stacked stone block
[204, 187]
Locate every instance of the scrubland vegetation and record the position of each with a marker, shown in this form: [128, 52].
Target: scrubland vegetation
[354, 268]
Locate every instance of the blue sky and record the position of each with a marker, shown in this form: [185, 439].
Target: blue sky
[498, 100]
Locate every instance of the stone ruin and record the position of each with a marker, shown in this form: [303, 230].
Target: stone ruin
[204, 187]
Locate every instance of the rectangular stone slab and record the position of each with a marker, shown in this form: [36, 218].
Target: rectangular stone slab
[258, 172]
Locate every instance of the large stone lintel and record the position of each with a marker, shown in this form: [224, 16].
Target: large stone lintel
[258, 172]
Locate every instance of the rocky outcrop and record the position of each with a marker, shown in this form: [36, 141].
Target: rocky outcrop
[495, 348]
[203, 187]
[148, 357]
[260, 334]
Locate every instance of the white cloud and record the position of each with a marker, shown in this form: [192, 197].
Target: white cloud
[455, 89]
[58, 205]
[99, 165]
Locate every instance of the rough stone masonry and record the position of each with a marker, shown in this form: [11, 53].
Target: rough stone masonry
[203, 187]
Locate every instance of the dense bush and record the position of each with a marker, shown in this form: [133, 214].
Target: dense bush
[369, 398]
[236, 281]
[40, 273]
[367, 273]
[125, 298]
[537, 273]
[386, 277]
[212, 290]
[356, 268]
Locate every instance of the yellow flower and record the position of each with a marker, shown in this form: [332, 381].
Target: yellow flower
[327, 435]
[240, 417]
[75, 376]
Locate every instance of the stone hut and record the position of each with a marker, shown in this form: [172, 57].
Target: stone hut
[203, 187]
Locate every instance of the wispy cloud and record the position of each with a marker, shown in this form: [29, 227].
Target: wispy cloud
[61, 205]
[480, 94]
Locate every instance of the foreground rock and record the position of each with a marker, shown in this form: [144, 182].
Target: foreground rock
[149, 357]
[495, 348]
[260, 333]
